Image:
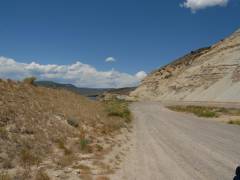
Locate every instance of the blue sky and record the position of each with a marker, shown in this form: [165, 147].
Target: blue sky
[138, 35]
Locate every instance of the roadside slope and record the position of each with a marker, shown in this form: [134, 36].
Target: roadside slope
[170, 145]
[207, 74]
[55, 133]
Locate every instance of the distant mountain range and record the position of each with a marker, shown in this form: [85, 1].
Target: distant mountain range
[82, 91]
[90, 92]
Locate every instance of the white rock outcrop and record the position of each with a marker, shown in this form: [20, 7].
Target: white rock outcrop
[208, 74]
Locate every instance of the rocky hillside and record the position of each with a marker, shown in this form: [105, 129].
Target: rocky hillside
[207, 74]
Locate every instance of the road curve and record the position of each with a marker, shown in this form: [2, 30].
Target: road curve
[174, 146]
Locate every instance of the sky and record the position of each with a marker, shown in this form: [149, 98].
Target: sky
[107, 43]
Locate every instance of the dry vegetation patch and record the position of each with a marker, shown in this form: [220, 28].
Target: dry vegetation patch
[43, 127]
[210, 112]
[197, 110]
[236, 122]
[118, 108]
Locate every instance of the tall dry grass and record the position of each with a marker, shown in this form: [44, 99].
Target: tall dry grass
[39, 124]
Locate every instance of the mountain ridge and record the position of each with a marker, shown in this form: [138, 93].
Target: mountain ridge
[89, 92]
[71, 87]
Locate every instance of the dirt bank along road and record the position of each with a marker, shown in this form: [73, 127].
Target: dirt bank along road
[170, 145]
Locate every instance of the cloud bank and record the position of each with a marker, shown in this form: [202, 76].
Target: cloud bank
[79, 74]
[195, 5]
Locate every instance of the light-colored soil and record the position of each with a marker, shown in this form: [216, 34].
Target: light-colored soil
[172, 145]
[208, 74]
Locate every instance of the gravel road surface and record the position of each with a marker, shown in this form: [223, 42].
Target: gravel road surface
[176, 146]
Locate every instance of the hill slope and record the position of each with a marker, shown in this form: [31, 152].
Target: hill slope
[207, 74]
[51, 131]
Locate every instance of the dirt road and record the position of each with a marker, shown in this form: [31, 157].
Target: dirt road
[175, 146]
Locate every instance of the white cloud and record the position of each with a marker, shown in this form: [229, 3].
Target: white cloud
[110, 59]
[195, 5]
[79, 74]
[141, 75]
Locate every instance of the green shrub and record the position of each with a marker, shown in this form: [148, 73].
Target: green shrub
[206, 113]
[30, 80]
[119, 108]
[84, 141]
[84, 144]
[197, 110]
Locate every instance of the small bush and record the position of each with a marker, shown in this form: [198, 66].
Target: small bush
[118, 108]
[67, 160]
[7, 164]
[61, 145]
[236, 122]
[30, 80]
[84, 142]
[99, 148]
[41, 175]
[28, 159]
[3, 133]
[73, 122]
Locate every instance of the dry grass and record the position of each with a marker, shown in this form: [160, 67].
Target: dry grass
[204, 111]
[102, 178]
[3, 133]
[229, 111]
[41, 175]
[236, 122]
[118, 108]
[4, 176]
[28, 158]
[197, 110]
[84, 169]
[66, 160]
[25, 174]
[106, 168]
[61, 145]
[84, 142]
[86, 177]
[37, 123]
[82, 166]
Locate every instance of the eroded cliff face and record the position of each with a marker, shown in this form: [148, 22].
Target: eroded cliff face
[207, 74]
